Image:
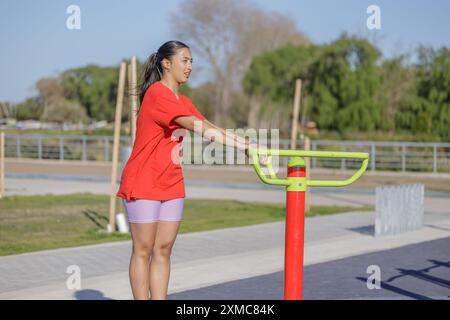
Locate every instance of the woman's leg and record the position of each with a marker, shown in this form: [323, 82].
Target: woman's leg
[143, 235]
[143, 217]
[160, 262]
[167, 230]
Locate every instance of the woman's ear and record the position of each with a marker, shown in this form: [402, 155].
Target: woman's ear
[166, 64]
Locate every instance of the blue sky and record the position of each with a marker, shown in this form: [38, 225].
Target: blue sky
[36, 43]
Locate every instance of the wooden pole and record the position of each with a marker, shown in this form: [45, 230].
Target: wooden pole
[307, 146]
[132, 85]
[303, 117]
[116, 145]
[295, 113]
[130, 94]
[2, 164]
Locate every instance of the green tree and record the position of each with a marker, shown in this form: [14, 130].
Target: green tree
[270, 80]
[95, 88]
[30, 109]
[396, 92]
[433, 105]
[340, 81]
[343, 84]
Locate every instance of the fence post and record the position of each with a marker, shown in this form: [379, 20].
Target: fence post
[106, 148]
[435, 159]
[372, 156]
[403, 157]
[314, 147]
[40, 147]
[83, 154]
[18, 151]
[343, 164]
[2, 164]
[61, 148]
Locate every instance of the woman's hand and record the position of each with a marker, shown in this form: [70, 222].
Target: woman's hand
[263, 159]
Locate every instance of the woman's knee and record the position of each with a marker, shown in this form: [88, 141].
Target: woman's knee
[163, 250]
[143, 250]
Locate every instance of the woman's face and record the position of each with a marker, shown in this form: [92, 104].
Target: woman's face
[180, 66]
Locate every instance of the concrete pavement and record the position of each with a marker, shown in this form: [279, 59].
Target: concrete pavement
[417, 271]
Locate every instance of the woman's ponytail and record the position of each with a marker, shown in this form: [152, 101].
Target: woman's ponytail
[152, 73]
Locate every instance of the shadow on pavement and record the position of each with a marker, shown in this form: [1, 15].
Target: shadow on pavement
[421, 274]
[90, 294]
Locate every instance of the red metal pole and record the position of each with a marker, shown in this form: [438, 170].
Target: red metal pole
[294, 240]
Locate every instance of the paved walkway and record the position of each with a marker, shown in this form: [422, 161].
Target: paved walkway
[203, 259]
[418, 271]
[197, 189]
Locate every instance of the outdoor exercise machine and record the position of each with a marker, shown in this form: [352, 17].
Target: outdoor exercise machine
[296, 185]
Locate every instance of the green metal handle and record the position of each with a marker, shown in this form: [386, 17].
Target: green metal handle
[273, 180]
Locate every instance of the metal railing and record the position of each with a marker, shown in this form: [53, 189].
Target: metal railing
[384, 156]
[61, 147]
[390, 156]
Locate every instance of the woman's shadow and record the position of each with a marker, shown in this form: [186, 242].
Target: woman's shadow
[89, 294]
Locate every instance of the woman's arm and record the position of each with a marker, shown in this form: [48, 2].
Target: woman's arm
[216, 134]
[212, 132]
[229, 134]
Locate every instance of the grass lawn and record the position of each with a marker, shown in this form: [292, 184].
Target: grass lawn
[31, 223]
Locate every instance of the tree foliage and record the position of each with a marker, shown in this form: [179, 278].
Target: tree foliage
[95, 88]
[347, 88]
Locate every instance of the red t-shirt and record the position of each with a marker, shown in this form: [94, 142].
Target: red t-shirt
[153, 170]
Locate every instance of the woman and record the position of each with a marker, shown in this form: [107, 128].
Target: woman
[152, 185]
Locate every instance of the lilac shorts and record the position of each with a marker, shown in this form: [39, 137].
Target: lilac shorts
[148, 211]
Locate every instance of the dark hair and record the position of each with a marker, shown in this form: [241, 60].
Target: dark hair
[153, 70]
